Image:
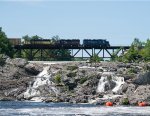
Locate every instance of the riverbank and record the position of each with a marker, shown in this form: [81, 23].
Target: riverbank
[75, 82]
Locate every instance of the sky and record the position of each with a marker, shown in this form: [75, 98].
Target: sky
[117, 21]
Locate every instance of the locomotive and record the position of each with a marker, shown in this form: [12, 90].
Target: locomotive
[95, 43]
[87, 43]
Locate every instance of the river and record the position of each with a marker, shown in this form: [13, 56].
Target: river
[13, 108]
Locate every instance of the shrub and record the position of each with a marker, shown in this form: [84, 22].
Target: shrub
[95, 59]
[83, 71]
[125, 101]
[57, 79]
[2, 62]
[109, 77]
[82, 80]
[71, 74]
[146, 67]
[72, 68]
[132, 70]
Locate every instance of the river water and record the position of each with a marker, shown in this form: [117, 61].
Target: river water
[13, 108]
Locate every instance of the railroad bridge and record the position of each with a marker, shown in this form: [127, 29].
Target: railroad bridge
[75, 52]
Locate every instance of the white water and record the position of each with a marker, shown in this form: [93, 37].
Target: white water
[79, 111]
[119, 83]
[16, 108]
[44, 73]
[108, 78]
[101, 85]
[43, 80]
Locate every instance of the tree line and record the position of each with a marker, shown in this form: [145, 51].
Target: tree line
[138, 52]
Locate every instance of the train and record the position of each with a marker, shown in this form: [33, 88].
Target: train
[15, 41]
[87, 43]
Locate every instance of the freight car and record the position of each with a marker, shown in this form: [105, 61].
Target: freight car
[15, 41]
[68, 43]
[95, 43]
[40, 41]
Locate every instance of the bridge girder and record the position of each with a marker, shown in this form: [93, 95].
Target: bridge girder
[42, 49]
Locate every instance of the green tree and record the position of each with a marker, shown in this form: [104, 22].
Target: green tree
[5, 46]
[36, 37]
[133, 54]
[55, 38]
[95, 59]
[26, 38]
[137, 44]
[2, 61]
[115, 56]
[145, 52]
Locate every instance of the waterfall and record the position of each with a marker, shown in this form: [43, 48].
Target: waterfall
[109, 81]
[44, 73]
[41, 87]
[119, 83]
[101, 85]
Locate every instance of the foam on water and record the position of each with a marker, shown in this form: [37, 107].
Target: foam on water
[101, 111]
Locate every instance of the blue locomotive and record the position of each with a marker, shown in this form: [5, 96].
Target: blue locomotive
[95, 43]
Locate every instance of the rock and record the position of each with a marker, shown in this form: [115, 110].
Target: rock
[110, 97]
[124, 88]
[142, 93]
[130, 90]
[7, 98]
[79, 99]
[52, 99]
[33, 69]
[17, 62]
[143, 79]
[121, 65]
[78, 82]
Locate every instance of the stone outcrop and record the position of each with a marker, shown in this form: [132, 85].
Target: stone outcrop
[143, 79]
[17, 62]
[75, 82]
[33, 69]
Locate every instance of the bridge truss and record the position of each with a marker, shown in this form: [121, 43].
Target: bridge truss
[75, 52]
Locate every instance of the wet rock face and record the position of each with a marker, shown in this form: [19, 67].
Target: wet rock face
[143, 79]
[33, 69]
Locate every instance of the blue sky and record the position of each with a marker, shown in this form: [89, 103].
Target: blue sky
[117, 21]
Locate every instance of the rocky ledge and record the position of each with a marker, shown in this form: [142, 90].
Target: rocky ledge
[75, 82]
